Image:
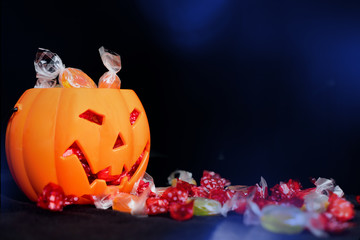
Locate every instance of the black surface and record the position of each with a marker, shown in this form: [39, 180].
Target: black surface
[23, 220]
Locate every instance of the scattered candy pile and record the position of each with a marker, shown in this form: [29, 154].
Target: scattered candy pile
[284, 208]
[49, 66]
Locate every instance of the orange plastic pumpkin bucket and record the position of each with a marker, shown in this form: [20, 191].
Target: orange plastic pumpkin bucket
[108, 126]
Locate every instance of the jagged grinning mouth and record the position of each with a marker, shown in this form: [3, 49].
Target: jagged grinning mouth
[105, 173]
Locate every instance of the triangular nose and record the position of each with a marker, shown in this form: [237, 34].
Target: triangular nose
[119, 142]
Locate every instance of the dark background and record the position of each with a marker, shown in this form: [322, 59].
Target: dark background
[245, 88]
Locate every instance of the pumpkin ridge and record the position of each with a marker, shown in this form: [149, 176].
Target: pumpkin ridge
[7, 142]
[22, 143]
[55, 131]
[8, 156]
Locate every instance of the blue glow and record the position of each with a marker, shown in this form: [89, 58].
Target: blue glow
[187, 24]
[289, 74]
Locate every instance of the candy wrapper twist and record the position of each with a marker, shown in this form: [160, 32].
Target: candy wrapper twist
[112, 62]
[48, 66]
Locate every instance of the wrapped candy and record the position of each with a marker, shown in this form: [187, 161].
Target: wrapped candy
[53, 198]
[160, 190]
[136, 201]
[325, 186]
[136, 205]
[112, 62]
[206, 207]
[181, 211]
[340, 208]
[283, 219]
[105, 200]
[125, 202]
[182, 175]
[237, 203]
[316, 202]
[48, 66]
[142, 184]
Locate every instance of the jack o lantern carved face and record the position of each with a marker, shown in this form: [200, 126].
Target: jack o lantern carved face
[81, 139]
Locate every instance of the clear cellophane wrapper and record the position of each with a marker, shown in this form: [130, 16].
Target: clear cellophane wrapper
[112, 62]
[49, 66]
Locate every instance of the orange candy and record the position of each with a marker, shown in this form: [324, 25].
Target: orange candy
[109, 80]
[75, 78]
[124, 202]
[112, 62]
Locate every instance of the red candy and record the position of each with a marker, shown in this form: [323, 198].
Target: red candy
[156, 205]
[341, 209]
[181, 211]
[326, 221]
[53, 198]
[105, 173]
[199, 192]
[173, 194]
[261, 202]
[285, 190]
[240, 205]
[211, 174]
[294, 201]
[219, 195]
[230, 193]
[358, 199]
[184, 186]
[142, 187]
[110, 179]
[258, 191]
[136, 165]
[74, 149]
[133, 116]
[301, 194]
[334, 226]
[70, 199]
[92, 117]
[211, 180]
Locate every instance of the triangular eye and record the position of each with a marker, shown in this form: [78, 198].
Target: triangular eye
[119, 142]
[133, 116]
[92, 117]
